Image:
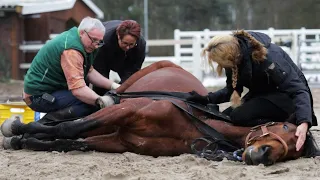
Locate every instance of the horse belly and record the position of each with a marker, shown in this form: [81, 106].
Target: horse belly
[155, 146]
[162, 119]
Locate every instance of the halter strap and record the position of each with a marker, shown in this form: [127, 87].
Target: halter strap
[265, 132]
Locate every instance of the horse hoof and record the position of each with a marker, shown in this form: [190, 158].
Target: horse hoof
[6, 143]
[11, 142]
[6, 127]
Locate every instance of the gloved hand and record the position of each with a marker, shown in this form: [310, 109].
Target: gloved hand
[104, 101]
[197, 98]
[113, 94]
[114, 85]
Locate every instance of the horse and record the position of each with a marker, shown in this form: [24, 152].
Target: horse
[156, 127]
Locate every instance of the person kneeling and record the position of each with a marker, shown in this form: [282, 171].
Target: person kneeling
[58, 78]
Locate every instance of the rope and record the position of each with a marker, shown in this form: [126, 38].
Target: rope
[214, 150]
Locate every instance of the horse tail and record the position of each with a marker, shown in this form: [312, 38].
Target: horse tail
[136, 76]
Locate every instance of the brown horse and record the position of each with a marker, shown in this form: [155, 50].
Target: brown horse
[156, 127]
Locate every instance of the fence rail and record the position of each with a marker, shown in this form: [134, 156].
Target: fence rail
[302, 45]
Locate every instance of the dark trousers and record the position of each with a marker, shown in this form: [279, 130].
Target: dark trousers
[256, 111]
[63, 99]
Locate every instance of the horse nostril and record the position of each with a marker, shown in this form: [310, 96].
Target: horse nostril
[264, 149]
[258, 156]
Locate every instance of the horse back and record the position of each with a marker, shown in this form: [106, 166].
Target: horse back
[168, 79]
[163, 76]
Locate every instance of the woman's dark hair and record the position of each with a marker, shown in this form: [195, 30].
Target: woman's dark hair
[130, 27]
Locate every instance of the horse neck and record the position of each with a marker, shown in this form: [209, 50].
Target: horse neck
[236, 134]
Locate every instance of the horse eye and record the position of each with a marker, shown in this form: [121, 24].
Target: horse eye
[285, 127]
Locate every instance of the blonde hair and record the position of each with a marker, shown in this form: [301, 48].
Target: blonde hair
[226, 52]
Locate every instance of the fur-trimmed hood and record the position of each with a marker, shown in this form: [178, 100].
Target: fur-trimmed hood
[261, 37]
[253, 44]
[254, 48]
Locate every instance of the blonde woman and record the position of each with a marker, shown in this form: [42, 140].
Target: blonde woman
[278, 90]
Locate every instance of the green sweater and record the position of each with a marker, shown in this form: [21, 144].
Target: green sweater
[45, 74]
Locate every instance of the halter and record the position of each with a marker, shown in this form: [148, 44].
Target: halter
[265, 132]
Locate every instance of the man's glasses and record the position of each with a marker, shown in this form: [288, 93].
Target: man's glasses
[95, 42]
[127, 44]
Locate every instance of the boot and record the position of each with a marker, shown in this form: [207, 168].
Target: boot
[56, 117]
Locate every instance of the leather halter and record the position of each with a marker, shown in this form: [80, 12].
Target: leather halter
[265, 132]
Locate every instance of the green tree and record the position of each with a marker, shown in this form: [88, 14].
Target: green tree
[164, 16]
[121, 9]
[284, 14]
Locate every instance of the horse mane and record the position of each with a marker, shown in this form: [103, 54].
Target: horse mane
[311, 148]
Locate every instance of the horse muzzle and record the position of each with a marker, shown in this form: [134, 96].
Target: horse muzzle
[256, 156]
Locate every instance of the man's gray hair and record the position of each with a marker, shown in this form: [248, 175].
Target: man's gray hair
[89, 23]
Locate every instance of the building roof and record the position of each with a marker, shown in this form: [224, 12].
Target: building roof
[40, 6]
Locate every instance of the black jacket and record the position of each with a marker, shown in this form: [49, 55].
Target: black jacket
[277, 74]
[112, 57]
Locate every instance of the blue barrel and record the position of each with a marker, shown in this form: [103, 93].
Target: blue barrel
[36, 116]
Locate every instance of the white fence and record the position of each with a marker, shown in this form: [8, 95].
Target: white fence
[302, 45]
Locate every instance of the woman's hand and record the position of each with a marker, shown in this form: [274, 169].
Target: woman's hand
[197, 98]
[301, 133]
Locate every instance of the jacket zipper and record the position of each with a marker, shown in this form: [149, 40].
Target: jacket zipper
[268, 76]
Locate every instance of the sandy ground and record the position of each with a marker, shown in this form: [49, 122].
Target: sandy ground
[24, 164]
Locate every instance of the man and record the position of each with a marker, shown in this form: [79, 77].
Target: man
[123, 51]
[56, 82]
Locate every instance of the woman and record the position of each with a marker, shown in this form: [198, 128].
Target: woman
[123, 51]
[278, 90]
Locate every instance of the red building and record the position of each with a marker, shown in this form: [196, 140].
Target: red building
[27, 24]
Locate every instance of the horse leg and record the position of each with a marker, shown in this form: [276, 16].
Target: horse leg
[96, 132]
[67, 130]
[105, 143]
[100, 131]
[110, 143]
[113, 115]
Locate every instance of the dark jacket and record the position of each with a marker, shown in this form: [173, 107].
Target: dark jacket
[277, 74]
[112, 57]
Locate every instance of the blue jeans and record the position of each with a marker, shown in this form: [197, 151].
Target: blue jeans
[63, 99]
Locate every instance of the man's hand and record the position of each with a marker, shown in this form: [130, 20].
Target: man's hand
[104, 101]
[301, 133]
[114, 86]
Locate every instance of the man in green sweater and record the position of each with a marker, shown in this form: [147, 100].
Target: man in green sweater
[57, 81]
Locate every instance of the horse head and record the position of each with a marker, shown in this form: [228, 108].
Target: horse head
[274, 142]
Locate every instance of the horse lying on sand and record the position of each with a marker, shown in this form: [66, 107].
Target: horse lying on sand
[156, 127]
